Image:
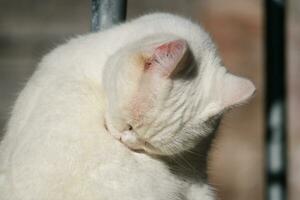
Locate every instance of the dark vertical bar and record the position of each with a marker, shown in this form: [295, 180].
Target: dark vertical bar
[106, 13]
[276, 135]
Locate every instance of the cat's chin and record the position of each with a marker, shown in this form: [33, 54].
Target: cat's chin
[131, 140]
[134, 143]
[141, 146]
[147, 148]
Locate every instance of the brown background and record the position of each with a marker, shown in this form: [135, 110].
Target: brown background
[31, 28]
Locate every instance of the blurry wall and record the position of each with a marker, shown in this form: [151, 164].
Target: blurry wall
[293, 63]
[31, 28]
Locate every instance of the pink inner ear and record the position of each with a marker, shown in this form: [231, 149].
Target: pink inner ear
[176, 45]
[167, 56]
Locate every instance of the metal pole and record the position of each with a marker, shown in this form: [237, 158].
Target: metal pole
[106, 13]
[276, 135]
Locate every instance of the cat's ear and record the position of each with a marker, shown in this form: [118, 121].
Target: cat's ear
[235, 90]
[168, 58]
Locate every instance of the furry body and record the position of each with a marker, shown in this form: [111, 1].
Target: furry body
[57, 147]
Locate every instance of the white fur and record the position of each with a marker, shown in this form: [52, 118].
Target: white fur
[56, 146]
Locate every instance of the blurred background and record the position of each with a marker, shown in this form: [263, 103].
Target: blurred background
[31, 28]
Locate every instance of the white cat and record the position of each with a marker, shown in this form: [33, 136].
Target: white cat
[127, 113]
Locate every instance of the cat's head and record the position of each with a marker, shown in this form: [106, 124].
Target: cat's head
[163, 101]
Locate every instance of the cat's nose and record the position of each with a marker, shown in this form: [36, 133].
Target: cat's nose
[131, 140]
